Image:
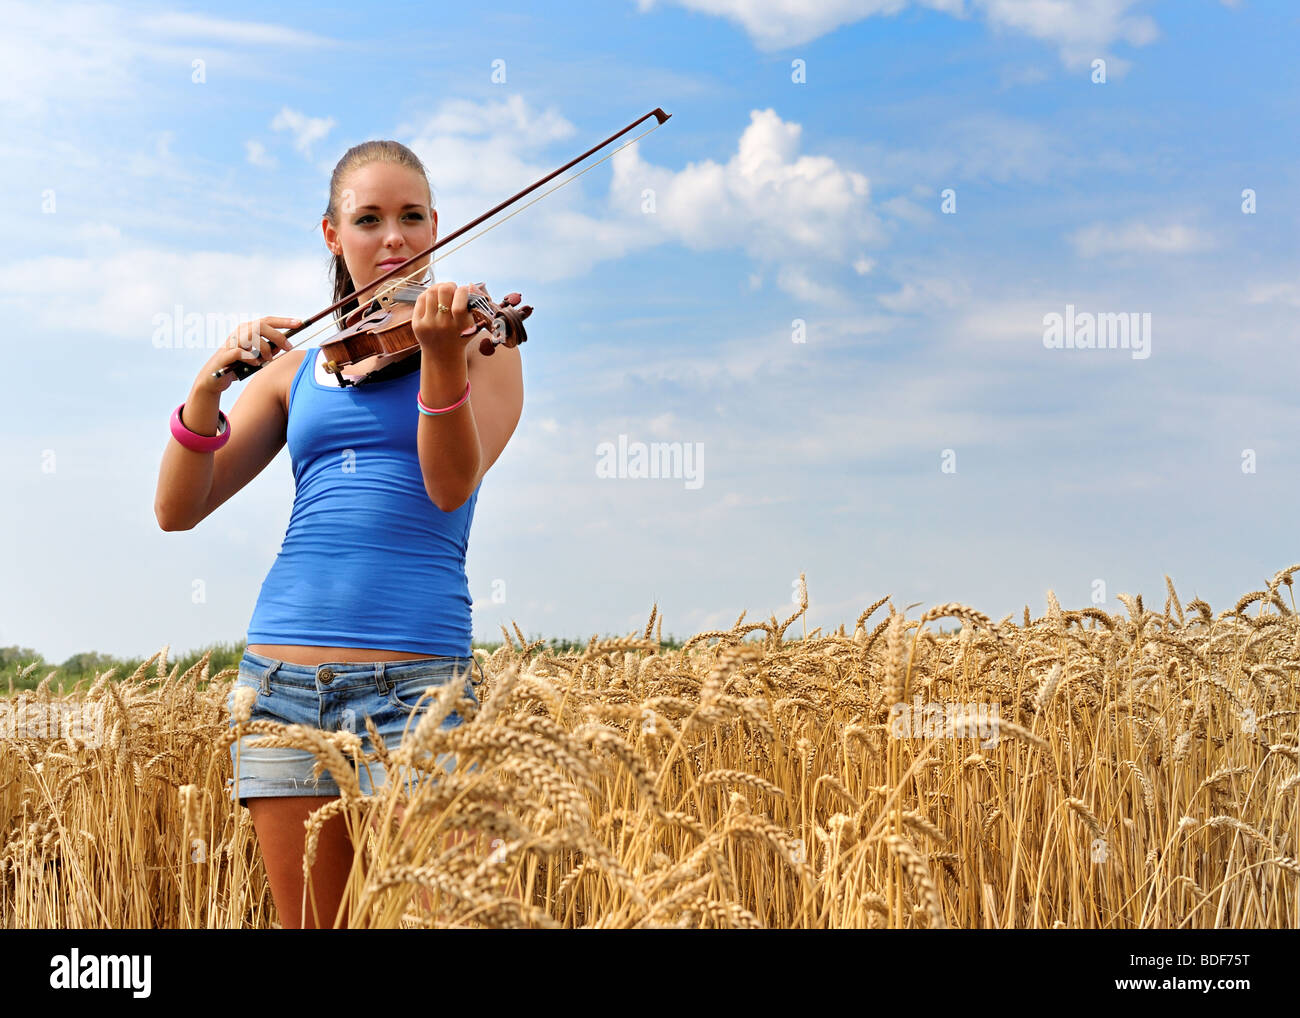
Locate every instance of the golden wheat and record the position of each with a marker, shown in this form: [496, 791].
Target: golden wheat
[742, 781]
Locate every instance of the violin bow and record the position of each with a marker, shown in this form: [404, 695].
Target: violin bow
[241, 369]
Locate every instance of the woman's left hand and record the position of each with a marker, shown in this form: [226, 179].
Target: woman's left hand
[444, 335]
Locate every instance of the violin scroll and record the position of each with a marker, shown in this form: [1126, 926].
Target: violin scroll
[507, 325]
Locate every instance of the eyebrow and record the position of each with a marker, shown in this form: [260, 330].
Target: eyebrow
[410, 205]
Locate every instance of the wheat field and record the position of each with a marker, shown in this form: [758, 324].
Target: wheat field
[1084, 769]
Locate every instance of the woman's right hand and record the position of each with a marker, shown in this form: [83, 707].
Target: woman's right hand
[255, 342]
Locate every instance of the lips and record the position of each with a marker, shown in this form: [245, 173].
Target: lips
[388, 262]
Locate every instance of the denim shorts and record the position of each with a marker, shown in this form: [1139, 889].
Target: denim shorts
[334, 696]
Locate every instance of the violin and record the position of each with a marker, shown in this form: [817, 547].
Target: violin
[381, 343]
[384, 336]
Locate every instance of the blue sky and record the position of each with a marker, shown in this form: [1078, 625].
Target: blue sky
[921, 440]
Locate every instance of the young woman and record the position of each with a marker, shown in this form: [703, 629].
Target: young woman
[367, 603]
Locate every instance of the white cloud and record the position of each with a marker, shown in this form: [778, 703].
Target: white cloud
[734, 500]
[1010, 77]
[902, 207]
[662, 425]
[479, 153]
[1138, 237]
[987, 145]
[126, 286]
[98, 234]
[803, 218]
[738, 361]
[779, 24]
[93, 50]
[796, 282]
[243, 33]
[926, 294]
[780, 207]
[1011, 321]
[1193, 317]
[257, 154]
[998, 147]
[306, 131]
[1079, 29]
[792, 213]
[508, 122]
[1285, 292]
[93, 55]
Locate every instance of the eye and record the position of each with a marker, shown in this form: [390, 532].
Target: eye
[370, 217]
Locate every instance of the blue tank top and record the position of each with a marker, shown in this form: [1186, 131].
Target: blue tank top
[367, 560]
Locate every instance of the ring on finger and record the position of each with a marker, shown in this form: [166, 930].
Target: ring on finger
[443, 307]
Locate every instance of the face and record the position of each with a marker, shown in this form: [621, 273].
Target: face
[383, 215]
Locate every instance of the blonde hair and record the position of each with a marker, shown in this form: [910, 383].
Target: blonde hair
[355, 157]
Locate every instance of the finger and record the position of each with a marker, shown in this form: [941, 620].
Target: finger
[228, 355]
[242, 343]
[420, 313]
[437, 293]
[254, 349]
[460, 300]
[429, 314]
[276, 337]
[461, 317]
[236, 352]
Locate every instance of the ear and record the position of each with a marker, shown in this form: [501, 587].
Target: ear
[331, 235]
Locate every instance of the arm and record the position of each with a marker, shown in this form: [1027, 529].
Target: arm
[193, 484]
[456, 449]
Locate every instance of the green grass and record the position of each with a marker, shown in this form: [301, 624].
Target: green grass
[84, 667]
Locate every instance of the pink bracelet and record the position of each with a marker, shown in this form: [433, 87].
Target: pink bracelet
[425, 409]
[200, 443]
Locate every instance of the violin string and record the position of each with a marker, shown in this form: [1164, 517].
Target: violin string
[545, 193]
[402, 280]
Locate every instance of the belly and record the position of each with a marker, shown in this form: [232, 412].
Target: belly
[320, 655]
